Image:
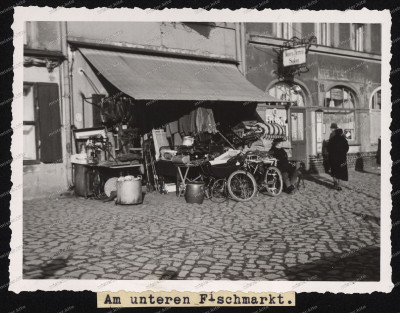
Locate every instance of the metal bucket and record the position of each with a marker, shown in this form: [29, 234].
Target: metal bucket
[129, 191]
[194, 192]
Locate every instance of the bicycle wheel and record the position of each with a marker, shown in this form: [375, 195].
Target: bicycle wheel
[218, 191]
[273, 182]
[242, 186]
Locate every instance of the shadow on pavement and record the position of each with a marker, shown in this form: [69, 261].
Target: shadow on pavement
[319, 180]
[329, 184]
[373, 173]
[50, 268]
[369, 218]
[356, 265]
[355, 190]
[169, 275]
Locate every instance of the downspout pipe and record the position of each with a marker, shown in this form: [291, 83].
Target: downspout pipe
[71, 59]
[66, 103]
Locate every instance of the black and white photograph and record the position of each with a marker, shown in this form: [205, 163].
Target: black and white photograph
[202, 151]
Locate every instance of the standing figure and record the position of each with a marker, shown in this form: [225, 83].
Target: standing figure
[337, 150]
[289, 172]
[334, 127]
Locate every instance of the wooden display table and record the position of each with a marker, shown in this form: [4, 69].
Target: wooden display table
[89, 179]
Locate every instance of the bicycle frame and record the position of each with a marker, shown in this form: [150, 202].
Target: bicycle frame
[258, 167]
[254, 167]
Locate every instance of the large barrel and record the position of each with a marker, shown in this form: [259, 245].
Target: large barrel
[129, 191]
[194, 192]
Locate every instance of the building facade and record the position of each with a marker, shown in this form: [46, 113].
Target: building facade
[45, 90]
[58, 77]
[342, 84]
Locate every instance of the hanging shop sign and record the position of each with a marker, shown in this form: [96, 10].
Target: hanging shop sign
[292, 57]
[296, 56]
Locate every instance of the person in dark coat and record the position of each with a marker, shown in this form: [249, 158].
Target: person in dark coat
[334, 127]
[289, 172]
[337, 150]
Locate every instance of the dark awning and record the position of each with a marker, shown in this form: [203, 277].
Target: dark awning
[153, 77]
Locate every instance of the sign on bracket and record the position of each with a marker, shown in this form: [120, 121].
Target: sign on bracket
[294, 56]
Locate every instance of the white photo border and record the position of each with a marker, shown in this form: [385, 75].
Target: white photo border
[22, 14]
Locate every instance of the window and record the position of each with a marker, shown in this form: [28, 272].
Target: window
[359, 37]
[29, 125]
[344, 119]
[340, 103]
[339, 97]
[375, 116]
[297, 126]
[284, 92]
[376, 100]
[284, 30]
[324, 34]
[44, 35]
[41, 124]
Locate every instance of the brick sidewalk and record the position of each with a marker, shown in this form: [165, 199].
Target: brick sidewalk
[317, 234]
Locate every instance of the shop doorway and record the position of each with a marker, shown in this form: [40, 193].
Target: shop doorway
[298, 133]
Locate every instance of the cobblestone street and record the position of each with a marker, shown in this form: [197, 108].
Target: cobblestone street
[316, 234]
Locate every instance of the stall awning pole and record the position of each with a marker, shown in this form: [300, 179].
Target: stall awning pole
[218, 132]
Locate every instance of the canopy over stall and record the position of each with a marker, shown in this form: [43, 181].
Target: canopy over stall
[154, 77]
[179, 90]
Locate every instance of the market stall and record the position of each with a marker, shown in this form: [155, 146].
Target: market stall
[166, 115]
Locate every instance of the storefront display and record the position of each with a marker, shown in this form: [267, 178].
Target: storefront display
[203, 114]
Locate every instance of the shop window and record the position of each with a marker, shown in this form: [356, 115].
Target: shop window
[340, 103]
[359, 37]
[375, 116]
[339, 98]
[344, 119]
[41, 124]
[376, 100]
[285, 92]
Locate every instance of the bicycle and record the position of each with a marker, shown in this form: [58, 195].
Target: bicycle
[214, 184]
[265, 171]
[228, 180]
[242, 186]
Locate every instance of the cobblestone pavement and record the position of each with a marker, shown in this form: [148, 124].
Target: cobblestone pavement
[316, 234]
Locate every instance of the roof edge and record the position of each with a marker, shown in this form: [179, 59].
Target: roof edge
[76, 44]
